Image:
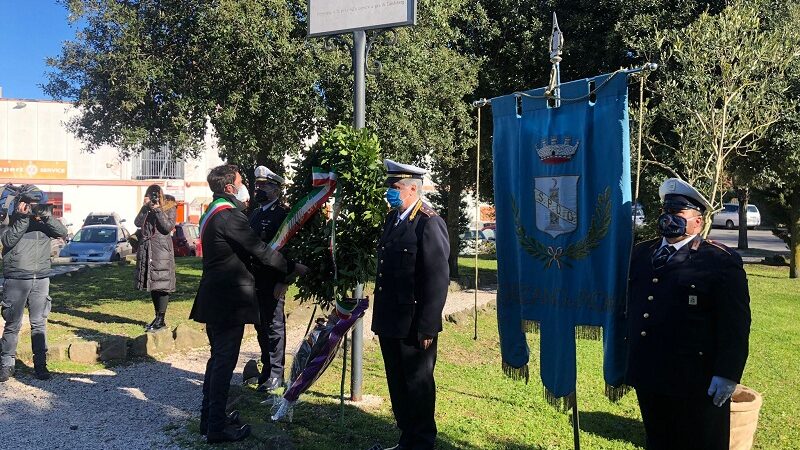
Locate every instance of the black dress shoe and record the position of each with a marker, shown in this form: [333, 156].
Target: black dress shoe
[231, 419]
[41, 373]
[270, 385]
[231, 433]
[6, 372]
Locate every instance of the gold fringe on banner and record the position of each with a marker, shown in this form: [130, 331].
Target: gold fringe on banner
[562, 404]
[615, 394]
[589, 332]
[530, 326]
[516, 373]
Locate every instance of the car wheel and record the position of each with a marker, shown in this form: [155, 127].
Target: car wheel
[192, 253]
[115, 257]
[729, 224]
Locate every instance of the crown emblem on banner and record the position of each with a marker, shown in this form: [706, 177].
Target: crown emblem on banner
[556, 151]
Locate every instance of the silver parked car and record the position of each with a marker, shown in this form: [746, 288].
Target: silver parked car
[98, 243]
[729, 216]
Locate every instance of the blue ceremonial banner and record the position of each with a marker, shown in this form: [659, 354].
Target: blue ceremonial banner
[564, 230]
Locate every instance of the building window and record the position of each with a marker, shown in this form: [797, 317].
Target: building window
[156, 165]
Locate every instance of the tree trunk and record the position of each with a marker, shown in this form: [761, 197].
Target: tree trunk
[794, 230]
[454, 192]
[743, 194]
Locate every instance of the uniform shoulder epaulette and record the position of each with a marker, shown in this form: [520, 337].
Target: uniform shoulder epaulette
[427, 210]
[717, 245]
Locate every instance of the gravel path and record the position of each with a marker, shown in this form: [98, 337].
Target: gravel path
[132, 406]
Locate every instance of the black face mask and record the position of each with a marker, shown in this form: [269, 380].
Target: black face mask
[671, 225]
[266, 194]
[261, 196]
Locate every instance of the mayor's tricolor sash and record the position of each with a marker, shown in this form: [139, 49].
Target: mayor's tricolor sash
[564, 232]
[216, 206]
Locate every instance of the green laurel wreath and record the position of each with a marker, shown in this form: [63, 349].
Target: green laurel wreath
[601, 220]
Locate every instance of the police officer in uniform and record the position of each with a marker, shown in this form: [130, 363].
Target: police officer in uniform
[410, 291]
[266, 217]
[688, 327]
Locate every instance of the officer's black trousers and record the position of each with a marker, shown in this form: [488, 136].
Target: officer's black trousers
[225, 343]
[409, 373]
[271, 334]
[687, 423]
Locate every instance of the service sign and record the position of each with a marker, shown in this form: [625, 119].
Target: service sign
[34, 170]
[326, 17]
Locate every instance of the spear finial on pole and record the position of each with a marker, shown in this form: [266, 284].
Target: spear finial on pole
[556, 46]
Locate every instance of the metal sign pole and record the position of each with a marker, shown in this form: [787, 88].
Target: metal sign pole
[359, 113]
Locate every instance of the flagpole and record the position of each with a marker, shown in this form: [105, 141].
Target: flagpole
[576, 421]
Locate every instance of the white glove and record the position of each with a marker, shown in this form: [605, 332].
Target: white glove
[721, 389]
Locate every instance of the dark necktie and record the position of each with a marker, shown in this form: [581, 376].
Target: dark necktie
[661, 257]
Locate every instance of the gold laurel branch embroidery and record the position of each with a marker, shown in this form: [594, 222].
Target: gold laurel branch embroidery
[601, 220]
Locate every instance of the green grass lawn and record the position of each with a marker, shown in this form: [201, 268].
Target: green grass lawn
[478, 407]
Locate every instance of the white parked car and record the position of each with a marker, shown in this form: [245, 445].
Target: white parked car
[637, 215]
[729, 216]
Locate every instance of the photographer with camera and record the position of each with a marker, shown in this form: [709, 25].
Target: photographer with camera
[26, 268]
[155, 257]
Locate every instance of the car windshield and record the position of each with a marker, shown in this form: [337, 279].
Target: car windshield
[100, 220]
[104, 235]
[751, 208]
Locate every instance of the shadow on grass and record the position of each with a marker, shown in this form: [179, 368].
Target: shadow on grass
[613, 427]
[113, 283]
[321, 423]
[93, 316]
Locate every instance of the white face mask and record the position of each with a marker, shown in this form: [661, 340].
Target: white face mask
[243, 194]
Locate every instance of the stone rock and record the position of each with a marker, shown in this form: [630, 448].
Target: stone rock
[114, 347]
[24, 353]
[454, 286]
[150, 344]
[188, 337]
[83, 352]
[58, 352]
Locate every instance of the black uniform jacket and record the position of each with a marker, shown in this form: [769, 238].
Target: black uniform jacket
[227, 293]
[687, 321]
[413, 275]
[265, 223]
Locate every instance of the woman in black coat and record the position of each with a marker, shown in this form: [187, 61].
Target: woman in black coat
[155, 257]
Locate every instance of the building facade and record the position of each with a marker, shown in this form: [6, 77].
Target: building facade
[36, 148]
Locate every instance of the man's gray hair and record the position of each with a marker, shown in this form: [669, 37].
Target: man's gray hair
[413, 181]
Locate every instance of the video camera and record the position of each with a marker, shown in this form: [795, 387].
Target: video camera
[11, 195]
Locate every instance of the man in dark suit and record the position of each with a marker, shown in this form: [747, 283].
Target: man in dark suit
[688, 327]
[410, 291]
[226, 299]
[265, 219]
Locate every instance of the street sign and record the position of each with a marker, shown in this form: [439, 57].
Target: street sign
[326, 17]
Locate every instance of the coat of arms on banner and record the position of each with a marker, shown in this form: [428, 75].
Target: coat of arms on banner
[556, 204]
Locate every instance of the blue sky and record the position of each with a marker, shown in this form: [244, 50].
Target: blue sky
[30, 31]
